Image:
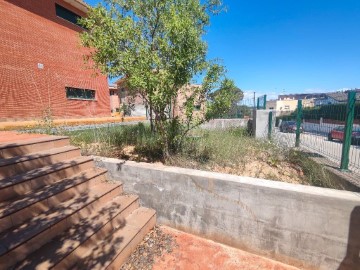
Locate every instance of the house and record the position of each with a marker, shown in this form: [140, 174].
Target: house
[185, 93]
[300, 96]
[136, 104]
[285, 104]
[335, 98]
[114, 98]
[139, 107]
[271, 104]
[42, 67]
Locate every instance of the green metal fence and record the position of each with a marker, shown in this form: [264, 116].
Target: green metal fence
[331, 130]
[261, 103]
[243, 109]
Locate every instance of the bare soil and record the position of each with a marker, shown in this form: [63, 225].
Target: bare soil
[284, 171]
[155, 244]
[165, 248]
[257, 167]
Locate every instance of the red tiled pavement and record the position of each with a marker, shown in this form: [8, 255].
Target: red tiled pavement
[197, 253]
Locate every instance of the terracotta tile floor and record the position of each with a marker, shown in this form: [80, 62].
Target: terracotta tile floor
[197, 253]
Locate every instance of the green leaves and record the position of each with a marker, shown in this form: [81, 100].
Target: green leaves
[223, 99]
[157, 46]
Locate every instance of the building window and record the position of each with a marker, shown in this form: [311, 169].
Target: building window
[287, 107]
[79, 93]
[67, 15]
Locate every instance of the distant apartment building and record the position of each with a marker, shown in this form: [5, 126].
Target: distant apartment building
[41, 62]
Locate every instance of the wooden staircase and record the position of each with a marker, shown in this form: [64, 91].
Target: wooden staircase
[57, 211]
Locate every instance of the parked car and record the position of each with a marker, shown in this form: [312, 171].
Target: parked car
[339, 132]
[289, 126]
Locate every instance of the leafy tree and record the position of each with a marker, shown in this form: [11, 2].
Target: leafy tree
[244, 110]
[157, 46]
[236, 96]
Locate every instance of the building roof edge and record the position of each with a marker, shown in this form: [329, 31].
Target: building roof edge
[78, 4]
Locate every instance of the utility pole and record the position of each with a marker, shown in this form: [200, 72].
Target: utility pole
[254, 101]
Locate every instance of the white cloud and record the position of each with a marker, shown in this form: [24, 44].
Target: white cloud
[343, 89]
[249, 94]
[313, 91]
[325, 90]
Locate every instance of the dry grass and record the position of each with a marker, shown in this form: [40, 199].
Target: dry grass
[233, 151]
[227, 151]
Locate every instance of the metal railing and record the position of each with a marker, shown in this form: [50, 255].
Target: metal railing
[243, 109]
[331, 130]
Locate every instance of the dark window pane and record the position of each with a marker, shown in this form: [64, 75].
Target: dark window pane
[79, 93]
[67, 14]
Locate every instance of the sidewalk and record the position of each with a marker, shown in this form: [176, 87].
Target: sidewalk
[193, 252]
[69, 122]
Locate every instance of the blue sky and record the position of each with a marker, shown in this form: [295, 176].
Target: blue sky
[288, 46]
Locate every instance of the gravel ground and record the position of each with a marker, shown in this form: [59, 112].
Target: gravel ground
[155, 243]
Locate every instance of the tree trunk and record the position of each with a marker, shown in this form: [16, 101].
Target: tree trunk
[151, 118]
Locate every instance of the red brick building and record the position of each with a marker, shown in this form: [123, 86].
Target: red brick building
[41, 63]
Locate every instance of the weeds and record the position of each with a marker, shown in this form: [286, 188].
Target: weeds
[230, 151]
[315, 173]
[111, 141]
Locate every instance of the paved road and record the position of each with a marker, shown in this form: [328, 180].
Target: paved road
[321, 145]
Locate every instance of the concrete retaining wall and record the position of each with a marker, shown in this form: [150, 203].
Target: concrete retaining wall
[300, 225]
[225, 123]
[261, 123]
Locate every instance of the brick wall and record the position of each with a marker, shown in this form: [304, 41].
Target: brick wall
[31, 33]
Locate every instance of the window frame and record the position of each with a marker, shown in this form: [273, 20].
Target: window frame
[59, 7]
[83, 97]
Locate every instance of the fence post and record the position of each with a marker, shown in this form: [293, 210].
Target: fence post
[258, 104]
[270, 124]
[349, 121]
[264, 107]
[298, 123]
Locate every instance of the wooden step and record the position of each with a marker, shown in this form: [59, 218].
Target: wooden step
[17, 211]
[19, 185]
[24, 147]
[17, 243]
[20, 164]
[112, 252]
[63, 251]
